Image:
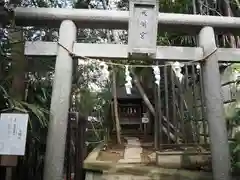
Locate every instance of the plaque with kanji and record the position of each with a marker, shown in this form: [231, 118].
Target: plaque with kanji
[143, 24]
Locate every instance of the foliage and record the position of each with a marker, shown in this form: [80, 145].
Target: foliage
[235, 151]
[235, 144]
[37, 96]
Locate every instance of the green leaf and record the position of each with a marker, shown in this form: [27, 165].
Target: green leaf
[40, 113]
[232, 146]
[236, 149]
[237, 164]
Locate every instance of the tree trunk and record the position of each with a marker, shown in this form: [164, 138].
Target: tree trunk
[115, 104]
[19, 64]
[228, 12]
[151, 108]
[143, 94]
[188, 127]
[114, 87]
[17, 89]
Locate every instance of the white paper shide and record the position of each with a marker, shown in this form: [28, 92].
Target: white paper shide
[157, 75]
[177, 69]
[128, 79]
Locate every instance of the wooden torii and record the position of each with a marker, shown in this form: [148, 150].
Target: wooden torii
[143, 23]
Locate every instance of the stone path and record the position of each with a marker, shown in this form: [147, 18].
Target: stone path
[132, 152]
[126, 177]
[106, 176]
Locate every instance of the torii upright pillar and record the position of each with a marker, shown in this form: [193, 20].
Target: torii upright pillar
[214, 106]
[57, 130]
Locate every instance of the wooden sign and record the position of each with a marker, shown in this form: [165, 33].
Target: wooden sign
[13, 132]
[145, 120]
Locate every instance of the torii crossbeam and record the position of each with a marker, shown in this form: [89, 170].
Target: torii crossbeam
[110, 19]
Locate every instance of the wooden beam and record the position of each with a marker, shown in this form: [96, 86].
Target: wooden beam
[120, 51]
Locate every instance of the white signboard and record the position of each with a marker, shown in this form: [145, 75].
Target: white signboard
[145, 120]
[13, 132]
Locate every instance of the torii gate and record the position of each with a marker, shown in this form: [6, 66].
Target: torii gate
[143, 22]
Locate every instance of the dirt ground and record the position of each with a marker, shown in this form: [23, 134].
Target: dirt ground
[114, 152]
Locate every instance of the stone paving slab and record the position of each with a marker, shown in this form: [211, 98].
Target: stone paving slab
[132, 154]
[124, 177]
[136, 160]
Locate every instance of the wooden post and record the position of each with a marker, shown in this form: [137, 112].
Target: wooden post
[156, 119]
[81, 149]
[157, 116]
[214, 106]
[8, 173]
[57, 128]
